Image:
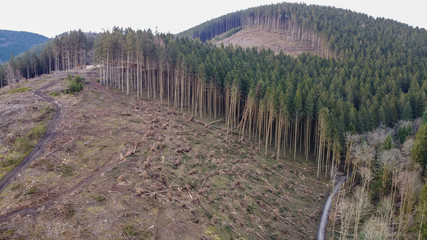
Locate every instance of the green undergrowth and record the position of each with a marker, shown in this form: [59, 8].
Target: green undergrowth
[74, 84]
[54, 93]
[22, 146]
[16, 90]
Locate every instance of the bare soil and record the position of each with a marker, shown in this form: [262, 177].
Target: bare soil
[122, 168]
[277, 40]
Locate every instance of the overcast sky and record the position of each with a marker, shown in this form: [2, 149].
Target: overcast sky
[53, 17]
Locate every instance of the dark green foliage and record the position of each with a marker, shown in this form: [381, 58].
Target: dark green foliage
[424, 117]
[3, 75]
[14, 42]
[403, 131]
[65, 51]
[376, 188]
[228, 34]
[423, 211]
[419, 150]
[377, 75]
[75, 87]
[366, 85]
[388, 143]
[75, 83]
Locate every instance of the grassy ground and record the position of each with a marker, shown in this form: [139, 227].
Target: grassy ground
[23, 123]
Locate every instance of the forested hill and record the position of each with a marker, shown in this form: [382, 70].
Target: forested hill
[348, 34]
[14, 42]
[377, 75]
[318, 107]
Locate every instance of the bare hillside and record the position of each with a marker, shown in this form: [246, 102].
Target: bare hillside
[292, 43]
[121, 168]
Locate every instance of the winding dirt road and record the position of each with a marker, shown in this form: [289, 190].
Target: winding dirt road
[39, 148]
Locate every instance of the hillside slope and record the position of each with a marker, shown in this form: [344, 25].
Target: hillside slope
[275, 39]
[14, 42]
[123, 168]
[337, 32]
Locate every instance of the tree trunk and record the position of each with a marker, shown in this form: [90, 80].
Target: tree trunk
[295, 135]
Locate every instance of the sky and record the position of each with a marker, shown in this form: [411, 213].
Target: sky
[53, 17]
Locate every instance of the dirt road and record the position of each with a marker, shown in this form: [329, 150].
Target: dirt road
[39, 148]
[324, 219]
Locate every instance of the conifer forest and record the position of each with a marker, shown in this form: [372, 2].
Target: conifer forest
[357, 107]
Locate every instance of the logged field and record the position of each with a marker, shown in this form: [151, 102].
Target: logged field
[121, 168]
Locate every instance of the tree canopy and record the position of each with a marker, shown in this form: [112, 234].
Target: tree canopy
[377, 75]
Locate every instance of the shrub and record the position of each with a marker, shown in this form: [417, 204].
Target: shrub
[76, 84]
[419, 150]
[75, 87]
[54, 93]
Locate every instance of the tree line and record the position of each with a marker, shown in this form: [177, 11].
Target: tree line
[293, 105]
[322, 108]
[64, 52]
[304, 104]
[384, 196]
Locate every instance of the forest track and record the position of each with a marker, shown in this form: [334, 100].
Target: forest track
[53, 194]
[39, 148]
[325, 213]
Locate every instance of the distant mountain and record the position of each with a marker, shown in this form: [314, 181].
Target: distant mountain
[16, 42]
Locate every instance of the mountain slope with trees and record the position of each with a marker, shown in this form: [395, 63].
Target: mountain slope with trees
[14, 43]
[310, 106]
[64, 52]
[120, 167]
[305, 104]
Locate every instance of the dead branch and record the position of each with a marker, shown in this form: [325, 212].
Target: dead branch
[47, 154]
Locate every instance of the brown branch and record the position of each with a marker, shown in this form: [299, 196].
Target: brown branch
[58, 148]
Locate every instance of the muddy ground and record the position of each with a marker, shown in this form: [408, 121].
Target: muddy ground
[121, 168]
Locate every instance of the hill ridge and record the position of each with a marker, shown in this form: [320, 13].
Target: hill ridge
[16, 42]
